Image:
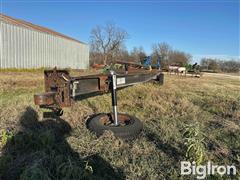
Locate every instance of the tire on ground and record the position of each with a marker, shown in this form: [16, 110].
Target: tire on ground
[128, 131]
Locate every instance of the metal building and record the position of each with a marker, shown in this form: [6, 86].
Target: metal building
[25, 45]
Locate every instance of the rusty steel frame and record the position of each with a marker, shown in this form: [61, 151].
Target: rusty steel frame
[61, 89]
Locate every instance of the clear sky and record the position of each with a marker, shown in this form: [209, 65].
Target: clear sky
[200, 27]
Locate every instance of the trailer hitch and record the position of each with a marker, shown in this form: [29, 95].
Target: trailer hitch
[62, 90]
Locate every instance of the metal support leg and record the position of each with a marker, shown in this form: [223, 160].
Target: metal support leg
[114, 96]
[126, 68]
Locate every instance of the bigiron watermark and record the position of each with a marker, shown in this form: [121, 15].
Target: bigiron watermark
[201, 171]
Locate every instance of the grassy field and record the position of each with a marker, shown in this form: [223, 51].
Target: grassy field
[204, 110]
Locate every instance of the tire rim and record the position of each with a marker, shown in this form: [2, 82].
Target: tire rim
[124, 120]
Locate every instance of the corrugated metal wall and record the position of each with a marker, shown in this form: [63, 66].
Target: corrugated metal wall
[26, 48]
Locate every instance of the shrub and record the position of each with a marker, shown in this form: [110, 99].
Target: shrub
[195, 143]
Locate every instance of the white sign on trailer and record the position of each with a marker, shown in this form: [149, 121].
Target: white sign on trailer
[121, 81]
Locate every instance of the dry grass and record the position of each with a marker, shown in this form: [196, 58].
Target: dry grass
[42, 149]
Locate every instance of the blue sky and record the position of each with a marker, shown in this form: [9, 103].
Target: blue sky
[201, 28]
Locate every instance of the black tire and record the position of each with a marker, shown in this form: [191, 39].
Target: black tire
[128, 131]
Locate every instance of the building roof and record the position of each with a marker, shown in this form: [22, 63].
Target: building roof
[29, 25]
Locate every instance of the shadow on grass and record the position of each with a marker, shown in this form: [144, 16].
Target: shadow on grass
[39, 150]
[168, 149]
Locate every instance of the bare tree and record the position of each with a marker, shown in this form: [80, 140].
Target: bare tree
[216, 65]
[107, 40]
[161, 50]
[169, 56]
[210, 64]
[179, 57]
[137, 54]
[232, 65]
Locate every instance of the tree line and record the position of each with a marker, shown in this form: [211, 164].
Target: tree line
[218, 65]
[107, 45]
